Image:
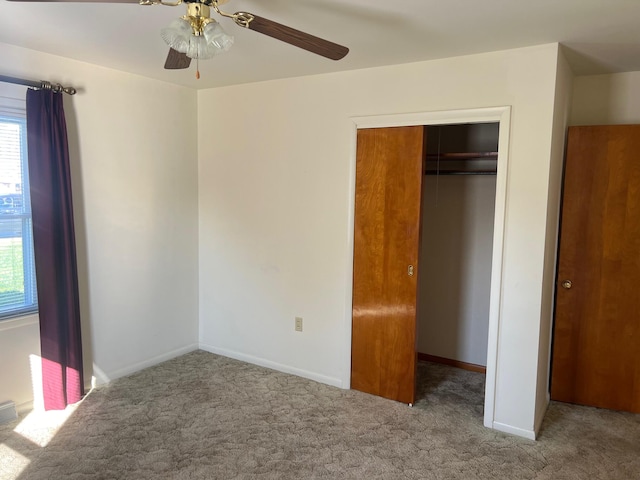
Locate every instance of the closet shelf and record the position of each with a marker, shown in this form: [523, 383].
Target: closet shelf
[463, 156]
[461, 163]
[460, 172]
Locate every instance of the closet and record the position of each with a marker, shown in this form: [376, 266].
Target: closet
[458, 208]
[423, 242]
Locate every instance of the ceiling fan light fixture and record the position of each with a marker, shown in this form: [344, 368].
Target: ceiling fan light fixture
[204, 48]
[197, 37]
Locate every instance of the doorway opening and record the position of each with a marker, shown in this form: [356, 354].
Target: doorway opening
[454, 285]
[498, 119]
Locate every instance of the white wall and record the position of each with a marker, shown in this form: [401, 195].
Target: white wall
[19, 343]
[606, 99]
[561, 112]
[455, 266]
[275, 186]
[134, 172]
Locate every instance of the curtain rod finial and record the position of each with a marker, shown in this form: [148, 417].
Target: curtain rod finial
[57, 88]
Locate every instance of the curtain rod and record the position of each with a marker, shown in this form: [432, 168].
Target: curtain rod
[43, 84]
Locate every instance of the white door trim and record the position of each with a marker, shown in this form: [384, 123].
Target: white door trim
[502, 115]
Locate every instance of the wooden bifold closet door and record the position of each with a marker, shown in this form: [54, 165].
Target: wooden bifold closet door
[389, 171]
[596, 346]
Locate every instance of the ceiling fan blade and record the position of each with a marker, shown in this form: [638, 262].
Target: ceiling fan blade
[176, 60]
[77, 1]
[297, 38]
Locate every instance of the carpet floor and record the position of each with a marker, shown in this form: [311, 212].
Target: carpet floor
[202, 416]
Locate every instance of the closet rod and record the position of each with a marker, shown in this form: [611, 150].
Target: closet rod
[42, 84]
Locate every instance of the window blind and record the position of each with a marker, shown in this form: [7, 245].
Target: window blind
[17, 270]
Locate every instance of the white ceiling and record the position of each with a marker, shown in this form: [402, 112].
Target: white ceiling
[600, 36]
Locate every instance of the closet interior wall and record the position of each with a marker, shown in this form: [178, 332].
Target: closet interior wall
[457, 239]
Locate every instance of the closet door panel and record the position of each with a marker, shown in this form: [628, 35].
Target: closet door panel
[596, 353]
[389, 170]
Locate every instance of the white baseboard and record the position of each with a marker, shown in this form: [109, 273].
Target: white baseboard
[520, 432]
[106, 377]
[335, 382]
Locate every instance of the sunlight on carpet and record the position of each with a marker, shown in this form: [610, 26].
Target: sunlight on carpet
[11, 458]
[40, 427]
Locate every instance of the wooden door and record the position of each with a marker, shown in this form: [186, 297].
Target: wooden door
[389, 170]
[596, 351]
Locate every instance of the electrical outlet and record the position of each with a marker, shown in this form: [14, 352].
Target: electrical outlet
[298, 324]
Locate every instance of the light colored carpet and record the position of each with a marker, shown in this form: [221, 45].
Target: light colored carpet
[202, 416]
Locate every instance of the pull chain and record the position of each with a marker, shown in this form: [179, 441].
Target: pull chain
[198, 67]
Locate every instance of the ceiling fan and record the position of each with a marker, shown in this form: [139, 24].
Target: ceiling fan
[197, 35]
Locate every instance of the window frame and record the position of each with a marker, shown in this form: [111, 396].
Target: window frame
[16, 115]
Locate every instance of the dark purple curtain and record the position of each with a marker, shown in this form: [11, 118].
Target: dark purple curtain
[54, 250]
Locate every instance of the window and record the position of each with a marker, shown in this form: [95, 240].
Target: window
[17, 271]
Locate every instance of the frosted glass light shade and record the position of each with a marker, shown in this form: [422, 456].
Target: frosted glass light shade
[198, 48]
[213, 40]
[177, 35]
[217, 37]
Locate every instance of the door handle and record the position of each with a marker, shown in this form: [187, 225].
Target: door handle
[410, 270]
[567, 284]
